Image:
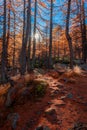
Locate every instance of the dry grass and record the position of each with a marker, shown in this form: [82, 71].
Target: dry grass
[74, 73]
[16, 77]
[4, 88]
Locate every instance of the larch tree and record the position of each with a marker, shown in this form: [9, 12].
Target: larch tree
[23, 49]
[4, 49]
[69, 39]
[34, 33]
[50, 38]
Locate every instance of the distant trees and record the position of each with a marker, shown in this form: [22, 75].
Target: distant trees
[21, 21]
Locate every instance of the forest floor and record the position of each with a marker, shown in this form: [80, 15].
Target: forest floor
[64, 106]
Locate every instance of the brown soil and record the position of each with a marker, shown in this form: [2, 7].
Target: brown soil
[69, 110]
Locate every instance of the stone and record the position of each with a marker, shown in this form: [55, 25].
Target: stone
[39, 128]
[13, 117]
[60, 85]
[46, 128]
[49, 103]
[65, 80]
[84, 67]
[58, 102]
[62, 97]
[50, 111]
[70, 95]
[9, 99]
[42, 128]
[79, 126]
[51, 115]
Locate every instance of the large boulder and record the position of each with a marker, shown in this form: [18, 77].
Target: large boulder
[13, 118]
[84, 67]
[41, 127]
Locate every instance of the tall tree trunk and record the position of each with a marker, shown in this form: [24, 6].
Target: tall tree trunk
[23, 50]
[8, 33]
[34, 33]
[84, 38]
[4, 48]
[14, 44]
[80, 6]
[47, 46]
[69, 39]
[50, 42]
[29, 44]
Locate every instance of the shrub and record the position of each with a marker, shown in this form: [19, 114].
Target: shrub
[39, 88]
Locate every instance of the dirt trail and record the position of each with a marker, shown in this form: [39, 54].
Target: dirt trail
[69, 100]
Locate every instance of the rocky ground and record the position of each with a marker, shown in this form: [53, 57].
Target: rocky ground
[63, 107]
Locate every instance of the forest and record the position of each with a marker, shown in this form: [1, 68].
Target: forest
[43, 64]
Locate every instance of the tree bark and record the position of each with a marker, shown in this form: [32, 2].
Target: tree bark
[23, 50]
[4, 49]
[29, 44]
[69, 39]
[50, 42]
[34, 39]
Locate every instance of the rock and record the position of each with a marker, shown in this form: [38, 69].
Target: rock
[61, 72]
[70, 95]
[71, 80]
[38, 71]
[54, 90]
[46, 128]
[59, 66]
[79, 126]
[30, 123]
[39, 128]
[13, 117]
[65, 80]
[51, 115]
[42, 128]
[59, 122]
[50, 111]
[58, 102]
[84, 67]
[10, 98]
[77, 62]
[49, 103]
[60, 85]
[62, 97]
[25, 91]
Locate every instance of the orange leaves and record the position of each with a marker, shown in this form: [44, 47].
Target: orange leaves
[42, 4]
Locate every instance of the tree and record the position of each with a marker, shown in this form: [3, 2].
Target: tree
[34, 33]
[83, 31]
[4, 49]
[23, 49]
[29, 43]
[50, 38]
[69, 39]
